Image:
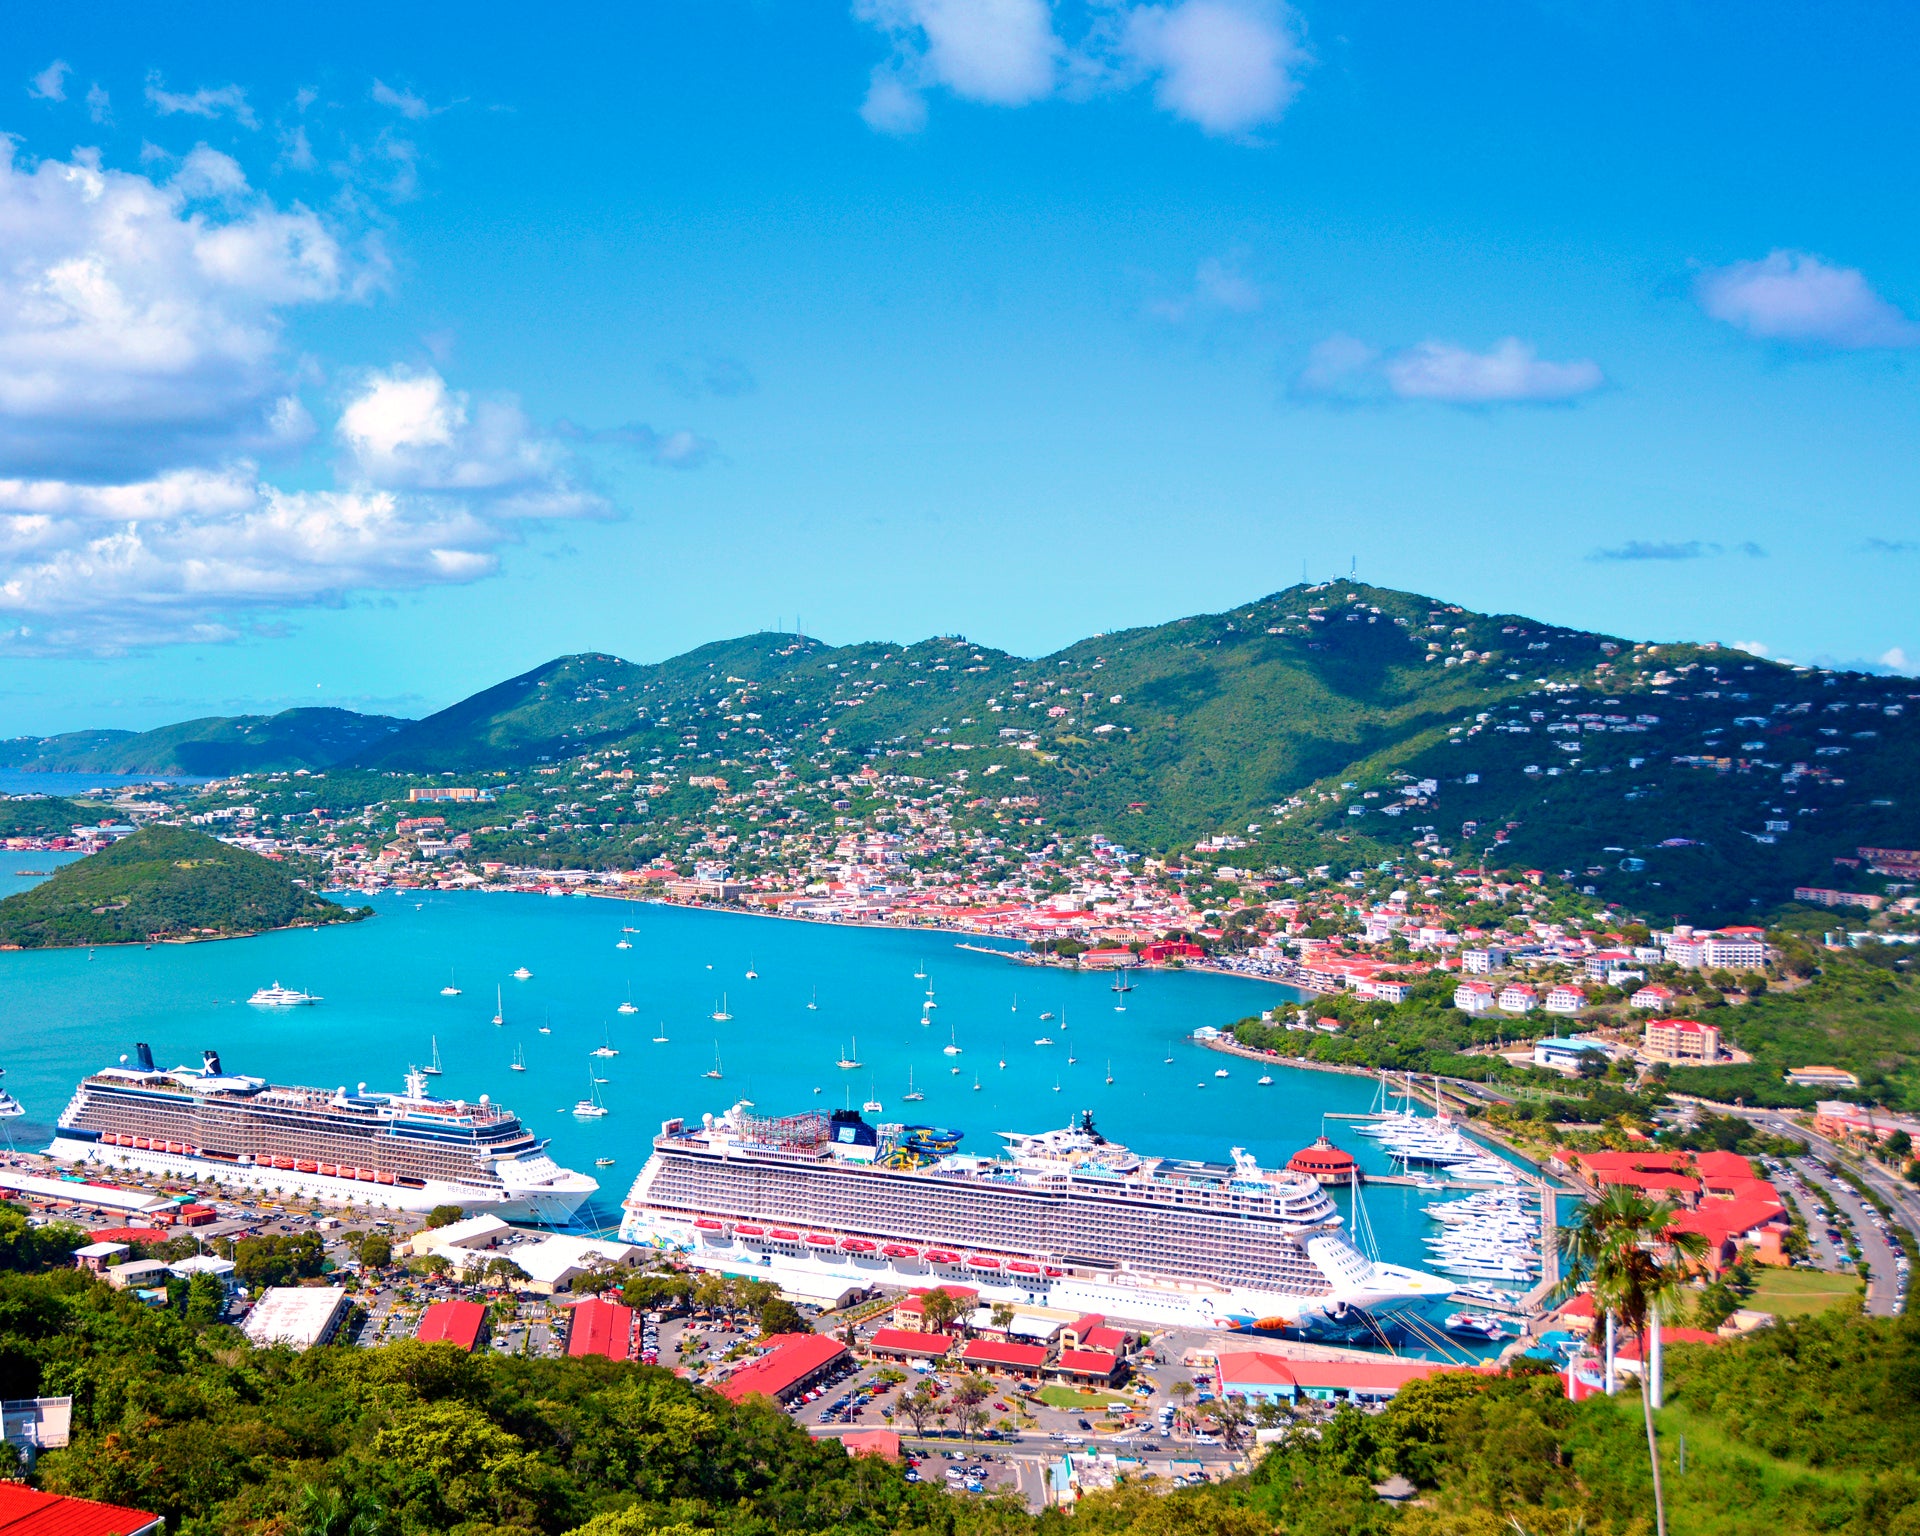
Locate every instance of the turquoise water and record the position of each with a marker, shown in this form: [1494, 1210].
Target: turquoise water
[64, 1013]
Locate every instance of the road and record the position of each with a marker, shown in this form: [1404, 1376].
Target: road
[1883, 1282]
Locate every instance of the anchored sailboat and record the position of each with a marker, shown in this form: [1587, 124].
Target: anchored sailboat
[449, 990]
[590, 1108]
[433, 1069]
[519, 1062]
[499, 1007]
[851, 1060]
[912, 1095]
[720, 1014]
[715, 1073]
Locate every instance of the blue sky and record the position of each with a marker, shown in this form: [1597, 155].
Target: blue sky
[371, 356]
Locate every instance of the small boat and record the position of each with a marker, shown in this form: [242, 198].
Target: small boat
[523, 974]
[499, 1008]
[849, 1061]
[590, 1108]
[1266, 1081]
[1476, 1325]
[603, 1162]
[752, 974]
[1016, 1002]
[432, 1069]
[623, 942]
[715, 1071]
[629, 1005]
[872, 1107]
[814, 1004]
[912, 1095]
[629, 930]
[1220, 1072]
[449, 990]
[952, 1048]
[1045, 1016]
[277, 996]
[1044, 1040]
[976, 1082]
[661, 1038]
[920, 971]
[1109, 1074]
[519, 1062]
[608, 1048]
[1056, 1085]
[929, 1002]
[1003, 1063]
[720, 1014]
[1071, 1058]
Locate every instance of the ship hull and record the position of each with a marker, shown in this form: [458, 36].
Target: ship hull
[828, 1275]
[546, 1206]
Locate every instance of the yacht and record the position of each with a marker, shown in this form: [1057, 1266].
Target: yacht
[714, 1071]
[1220, 1072]
[603, 1162]
[629, 1006]
[499, 1008]
[1046, 1016]
[752, 974]
[519, 1062]
[523, 974]
[952, 1048]
[432, 1069]
[1044, 1040]
[623, 942]
[449, 990]
[9, 1106]
[1109, 1074]
[851, 1060]
[813, 1004]
[720, 1014]
[872, 1107]
[1266, 1080]
[277, 996]
[912, 1095]
[590, 1108]
[606, 1049]
[661, 1038]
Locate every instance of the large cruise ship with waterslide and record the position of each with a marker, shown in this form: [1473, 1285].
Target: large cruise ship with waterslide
[1067, 1218]
[405, 1151]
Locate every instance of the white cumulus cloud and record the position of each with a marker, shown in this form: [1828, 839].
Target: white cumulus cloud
[1228, 66]
[220, 101]
[139, 317]
[1797, 297]
[51, 83]
[1344, 368]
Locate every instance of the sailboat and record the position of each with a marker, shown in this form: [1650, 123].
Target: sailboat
[872, 1106]
[1056, 1085]
[608, 1048]
[519, 1062]
[953, 1047]
[546, 1024]
[623, 942]
[814, 1004]
[1109, 1074]
[976, 1082]
[752, 974]
[912, 1095]
[629, 1005]
[433, 1068]
[1003, 1063]
[849, 1061]
[1016, 1002]
[590, 1108]
[720, 1014]
[929, 1003]
[1071, 1058]
[1121, 987]
[661, 1038]
[449, 990]
[920, 970]
[715, 1073]
[499, 1008]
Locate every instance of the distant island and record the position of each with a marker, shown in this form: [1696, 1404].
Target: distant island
[160, 884]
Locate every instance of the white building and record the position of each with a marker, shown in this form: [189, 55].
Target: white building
[1733, 952]
[1566, 999]
[1518, 998]
[463, 1244]
[1565, 1056]
[555, 1262]
[299, 1316]
[1474, 997]
[1482, 962]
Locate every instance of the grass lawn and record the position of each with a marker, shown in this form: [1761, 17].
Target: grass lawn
[1074, 1397]
[1800, 1292]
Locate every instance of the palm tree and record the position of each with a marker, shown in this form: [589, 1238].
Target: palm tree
[1616, 1247]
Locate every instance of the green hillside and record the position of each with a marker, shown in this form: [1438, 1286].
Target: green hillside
[163, 883]
[42, 816]
[211, 747]
[1648, 771]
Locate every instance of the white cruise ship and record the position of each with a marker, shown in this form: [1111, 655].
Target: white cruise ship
[825, 1206]
[405, 1151]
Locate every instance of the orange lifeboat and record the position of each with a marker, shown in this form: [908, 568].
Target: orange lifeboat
[304, 1167]
[386, 1178]
[142, 1143]
[177, 1146]
[328, 1169]
[366, 1175]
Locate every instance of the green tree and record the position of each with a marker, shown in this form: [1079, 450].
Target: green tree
[778, 1315]
[970, 1395]
[939, 1308]
[1616, 1247]
[443, 1216]
[376, 1250]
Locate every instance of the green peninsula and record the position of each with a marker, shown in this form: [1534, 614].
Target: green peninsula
[165, 883]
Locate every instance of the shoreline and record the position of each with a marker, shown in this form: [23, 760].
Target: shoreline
[353, 916]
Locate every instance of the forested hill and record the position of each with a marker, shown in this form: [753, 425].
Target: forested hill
[1682, 778]
[163, 883]
[209, 747]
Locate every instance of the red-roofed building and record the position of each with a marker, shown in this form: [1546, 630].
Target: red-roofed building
[883, 1443]
[601, 1327]
[1729, 1165]
[911, 1343]
[131, 1235]
[453, 1322]
[1730, 1225]
[791, 1364]
[910, 1311]
[1024, 1359]
[1681, 1188]
[1263, 1377]
[1087, 1365]
[27, 1511]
